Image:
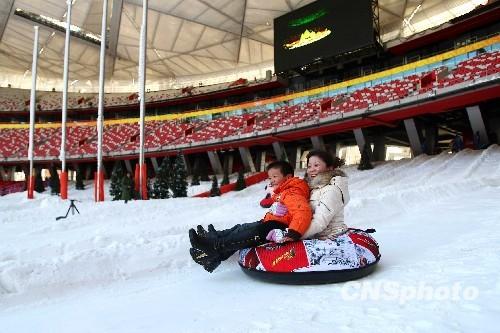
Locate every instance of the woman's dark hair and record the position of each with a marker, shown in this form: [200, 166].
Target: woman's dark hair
[283, 166]
[330, 161]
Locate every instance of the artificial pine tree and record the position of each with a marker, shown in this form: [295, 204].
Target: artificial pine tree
[365, 163]
[163, 180]
[240, 183]
[179, 183]
[39, 186]
[215, 190]
[115, 189]
[55, 186]
[225, 178]
[79, 179]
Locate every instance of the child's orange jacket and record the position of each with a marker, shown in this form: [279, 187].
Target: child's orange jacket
[294, 194]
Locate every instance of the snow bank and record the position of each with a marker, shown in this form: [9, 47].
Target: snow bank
[128, 267]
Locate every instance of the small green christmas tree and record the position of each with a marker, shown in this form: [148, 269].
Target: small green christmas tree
[225, 178]
[240, 183]
[55, 185]
[179, 183]
[163, 180]
[215, 190]
[39, 186]
[365, 163]
[79, 179]
[115, 188]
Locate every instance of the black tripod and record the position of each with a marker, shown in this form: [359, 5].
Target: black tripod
[71, 208]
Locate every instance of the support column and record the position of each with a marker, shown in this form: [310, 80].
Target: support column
[414, 138]
[431, 138]
[494, 124]
[279, 150]
[228, 163]
[379, 148]
[215, 162]
[3, 174]
[154, 162]
[12, 173]
[318, 143]
[246, 158]
[477, 125]
[88, 172]
[298, 155]
[128, 167]
[360, 139]
[262, 161]
[187, 165]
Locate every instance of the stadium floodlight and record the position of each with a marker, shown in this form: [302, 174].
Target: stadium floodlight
[62, 155]
[31, 181]
[99, 181]
[142, 100]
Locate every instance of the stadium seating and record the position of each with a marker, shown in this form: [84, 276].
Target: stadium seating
[122, 138]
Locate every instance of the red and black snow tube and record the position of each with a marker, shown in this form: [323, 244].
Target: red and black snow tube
[349, 256]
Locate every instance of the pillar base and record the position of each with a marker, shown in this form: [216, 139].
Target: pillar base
[31, 186]
[99, 189]
[63, 177]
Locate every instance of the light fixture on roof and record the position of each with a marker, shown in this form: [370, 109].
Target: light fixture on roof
[59, 25]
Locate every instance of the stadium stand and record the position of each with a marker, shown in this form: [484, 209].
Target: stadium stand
[124, 137]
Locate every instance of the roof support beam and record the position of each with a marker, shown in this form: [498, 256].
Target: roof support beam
[390, 12]
[241, 31]
[6, 7]
[213, 26]
[114, 31]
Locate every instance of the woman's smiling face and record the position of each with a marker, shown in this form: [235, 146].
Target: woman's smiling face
[315, 166]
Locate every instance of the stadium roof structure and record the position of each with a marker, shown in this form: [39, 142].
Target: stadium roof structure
[188, 40]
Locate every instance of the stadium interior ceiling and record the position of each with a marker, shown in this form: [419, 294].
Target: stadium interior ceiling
[188, 41]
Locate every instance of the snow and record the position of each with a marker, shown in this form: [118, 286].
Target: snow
[126, 267]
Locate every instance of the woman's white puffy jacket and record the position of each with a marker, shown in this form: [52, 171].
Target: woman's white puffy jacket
[329, 195]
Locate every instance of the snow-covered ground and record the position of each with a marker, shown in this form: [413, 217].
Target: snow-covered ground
[126, 268]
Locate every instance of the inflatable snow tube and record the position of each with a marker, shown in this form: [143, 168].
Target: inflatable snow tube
[349, 256]
[266, 202]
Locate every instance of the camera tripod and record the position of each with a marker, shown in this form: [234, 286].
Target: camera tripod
[71, 208]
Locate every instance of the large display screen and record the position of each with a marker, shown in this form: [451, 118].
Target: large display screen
[322, 29]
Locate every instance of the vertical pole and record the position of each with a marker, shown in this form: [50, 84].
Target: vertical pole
[62, 156]
[31, 180]
[100, 110]
[142, 83]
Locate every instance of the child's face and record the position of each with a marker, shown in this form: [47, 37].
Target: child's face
[276, 177]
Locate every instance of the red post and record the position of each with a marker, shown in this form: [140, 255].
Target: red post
[136, 177]
[63, 177]
[31, 186]
[144, 178]
[99, 186]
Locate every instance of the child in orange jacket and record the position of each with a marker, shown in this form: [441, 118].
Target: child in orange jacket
[212, 247]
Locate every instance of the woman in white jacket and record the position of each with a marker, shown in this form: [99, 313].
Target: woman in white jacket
[329, 195]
